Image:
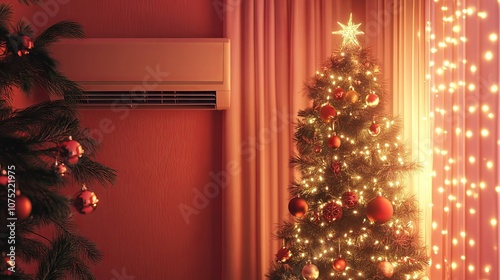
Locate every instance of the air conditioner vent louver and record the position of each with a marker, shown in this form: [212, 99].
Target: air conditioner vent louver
[150, 99]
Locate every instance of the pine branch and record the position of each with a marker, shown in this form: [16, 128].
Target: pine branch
[62, 29]
[23, 28]
[64, 258]
[92, 172]
[28, 2]
[5, 17]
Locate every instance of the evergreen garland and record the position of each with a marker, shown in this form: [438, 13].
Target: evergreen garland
[30, 141]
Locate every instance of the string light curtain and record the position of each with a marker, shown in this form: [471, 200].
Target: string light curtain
[463, 73]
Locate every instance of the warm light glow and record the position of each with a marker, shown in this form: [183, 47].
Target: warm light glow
[488, 55]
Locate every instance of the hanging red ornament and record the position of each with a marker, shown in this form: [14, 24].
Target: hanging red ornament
[339, 264]
[18, 44]
[327, 113]
[379, 210]
[4, 179]
[351, 96]
[334, 142]
[338, 93]
[297, 207]
[317, 149]
[349, 200]
[85, 201]
[372, 100]
[60, 168]
[23, 207]
[310, 271]
[7, 266]
[336, 167]
[332, 212]
[385, 268]
[26, 46]
[283, 255]
[374, 129]
[71, 151]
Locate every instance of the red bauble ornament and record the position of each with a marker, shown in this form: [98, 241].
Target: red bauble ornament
[349, 199]
[338, 93]
[385, 268]
[23, 207]
[372, 100]
[379, 210]
[336, 167]
[283, 255]
[310, 272]
[4, 180]
[327, 113]
[26, 46]
[317, 149]
[374, 129]
[7, 266]
[85, 201]
[332, 212]
[339, 264]
[60, 168]
[351, 96]
[297, 207]
[334, 142]
[71, 151]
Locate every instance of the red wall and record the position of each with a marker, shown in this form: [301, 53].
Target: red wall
[162, 157]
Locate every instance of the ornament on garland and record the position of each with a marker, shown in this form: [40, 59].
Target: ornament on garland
[7, 266]
[349, 200]
[71, 151]
[372, 100]
[297, 207]
[339, 264]
[374, 129]
[385, 268]
[60, 168]
[317, 149]
[310, 271]
[336, 167]
[23, 206]
[338, 94]
[85, 201]
[379, 210]
[327, 113]
[334, 142]
[4, 179]
[332, 212]
[283, 255]
[19, 44]
[351, 96]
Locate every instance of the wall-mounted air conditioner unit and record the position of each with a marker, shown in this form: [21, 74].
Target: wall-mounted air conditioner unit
[166, 73]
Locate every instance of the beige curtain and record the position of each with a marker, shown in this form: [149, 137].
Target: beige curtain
[463, 56]
[276, 46]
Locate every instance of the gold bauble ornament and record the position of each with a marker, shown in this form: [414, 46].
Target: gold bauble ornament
[352, 96]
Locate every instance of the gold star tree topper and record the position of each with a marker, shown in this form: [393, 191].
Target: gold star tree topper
[349, 33]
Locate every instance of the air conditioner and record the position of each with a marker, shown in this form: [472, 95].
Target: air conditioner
[170, 73]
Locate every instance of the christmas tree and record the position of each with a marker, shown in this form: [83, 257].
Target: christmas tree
[43, 152]
[352, 216]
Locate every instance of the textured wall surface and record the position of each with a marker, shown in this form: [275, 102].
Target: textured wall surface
[162, 157]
